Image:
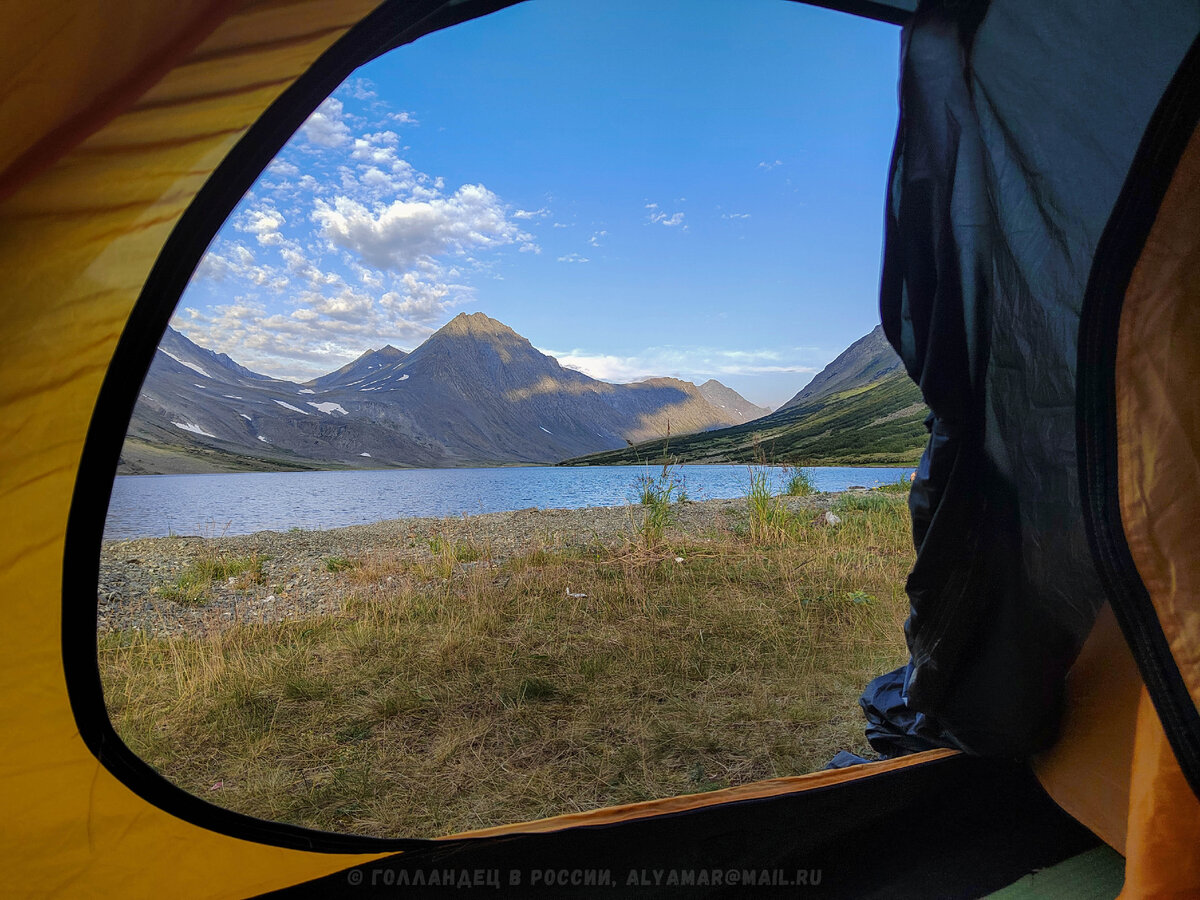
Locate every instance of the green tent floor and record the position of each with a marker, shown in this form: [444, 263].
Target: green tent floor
[1097, 874]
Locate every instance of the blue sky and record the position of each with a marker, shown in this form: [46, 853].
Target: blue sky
[673, 188]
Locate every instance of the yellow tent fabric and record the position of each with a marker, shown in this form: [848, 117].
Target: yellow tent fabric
[1113, 768]
[176, 85]
[111, 120]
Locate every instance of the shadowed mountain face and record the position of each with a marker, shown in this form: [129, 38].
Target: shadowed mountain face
[475, 392]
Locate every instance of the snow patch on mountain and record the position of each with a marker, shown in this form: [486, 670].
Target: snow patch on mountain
[194, 429]
[183, 362]
[328, 407]
[292, 408]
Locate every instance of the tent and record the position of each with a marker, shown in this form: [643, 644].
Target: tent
[1041, 251]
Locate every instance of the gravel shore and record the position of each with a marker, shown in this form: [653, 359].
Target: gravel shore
[296, 580]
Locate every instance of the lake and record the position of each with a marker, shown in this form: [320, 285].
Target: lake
[158, 505]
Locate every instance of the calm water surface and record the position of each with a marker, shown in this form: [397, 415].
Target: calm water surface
[156, 505]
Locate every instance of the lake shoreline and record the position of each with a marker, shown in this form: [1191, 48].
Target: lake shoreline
[279, 501]
[298, 571]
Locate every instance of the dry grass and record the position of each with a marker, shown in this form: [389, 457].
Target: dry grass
[466, 691]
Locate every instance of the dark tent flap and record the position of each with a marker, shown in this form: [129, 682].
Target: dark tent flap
[1016, 135]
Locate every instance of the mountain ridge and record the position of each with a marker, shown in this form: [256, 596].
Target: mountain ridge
[474, 393]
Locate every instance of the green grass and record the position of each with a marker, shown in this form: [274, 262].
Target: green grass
[657, 494]
[770, 521]
[448, 697]
[193, 586]
[900, 486]
[799, 482]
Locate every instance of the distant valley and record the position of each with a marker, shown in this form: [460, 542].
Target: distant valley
[474, 393]
[861, 409]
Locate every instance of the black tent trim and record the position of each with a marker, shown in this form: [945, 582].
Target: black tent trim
[1117, 254]
[970, 826]
[393, 24]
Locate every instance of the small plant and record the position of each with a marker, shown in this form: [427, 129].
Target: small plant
[867, 502]
[193, 586]
[770, 521]
[447, 548]
[901, 485]
[799, 482]
[657, 493]
[339, 564]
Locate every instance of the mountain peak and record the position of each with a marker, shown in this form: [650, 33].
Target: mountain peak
[476, 325]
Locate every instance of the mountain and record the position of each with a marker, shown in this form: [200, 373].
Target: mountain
[475, 392]
[373, 365]
[866, 361]
[861, 409]
[727, 398]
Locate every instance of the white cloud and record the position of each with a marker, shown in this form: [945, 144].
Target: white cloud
[531, 213]
[770, 165]
[360, 88]
[325, 127]
[594, 240]
[735, 215]
[264, 223]
[670, 221]
[690, 363]
[283, 168]
[399, 235]
[573, 258]
[232, 262]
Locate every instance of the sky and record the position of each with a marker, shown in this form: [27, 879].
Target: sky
[686, 187]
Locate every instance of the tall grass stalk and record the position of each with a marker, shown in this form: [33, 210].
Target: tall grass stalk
[656, 494]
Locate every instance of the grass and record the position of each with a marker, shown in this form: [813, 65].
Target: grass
[799, 482]
[193, 586]
[451, 697]
[900, 486]
[338, 564]
[657, 493]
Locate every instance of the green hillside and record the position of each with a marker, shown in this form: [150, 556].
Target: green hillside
[877, 424]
